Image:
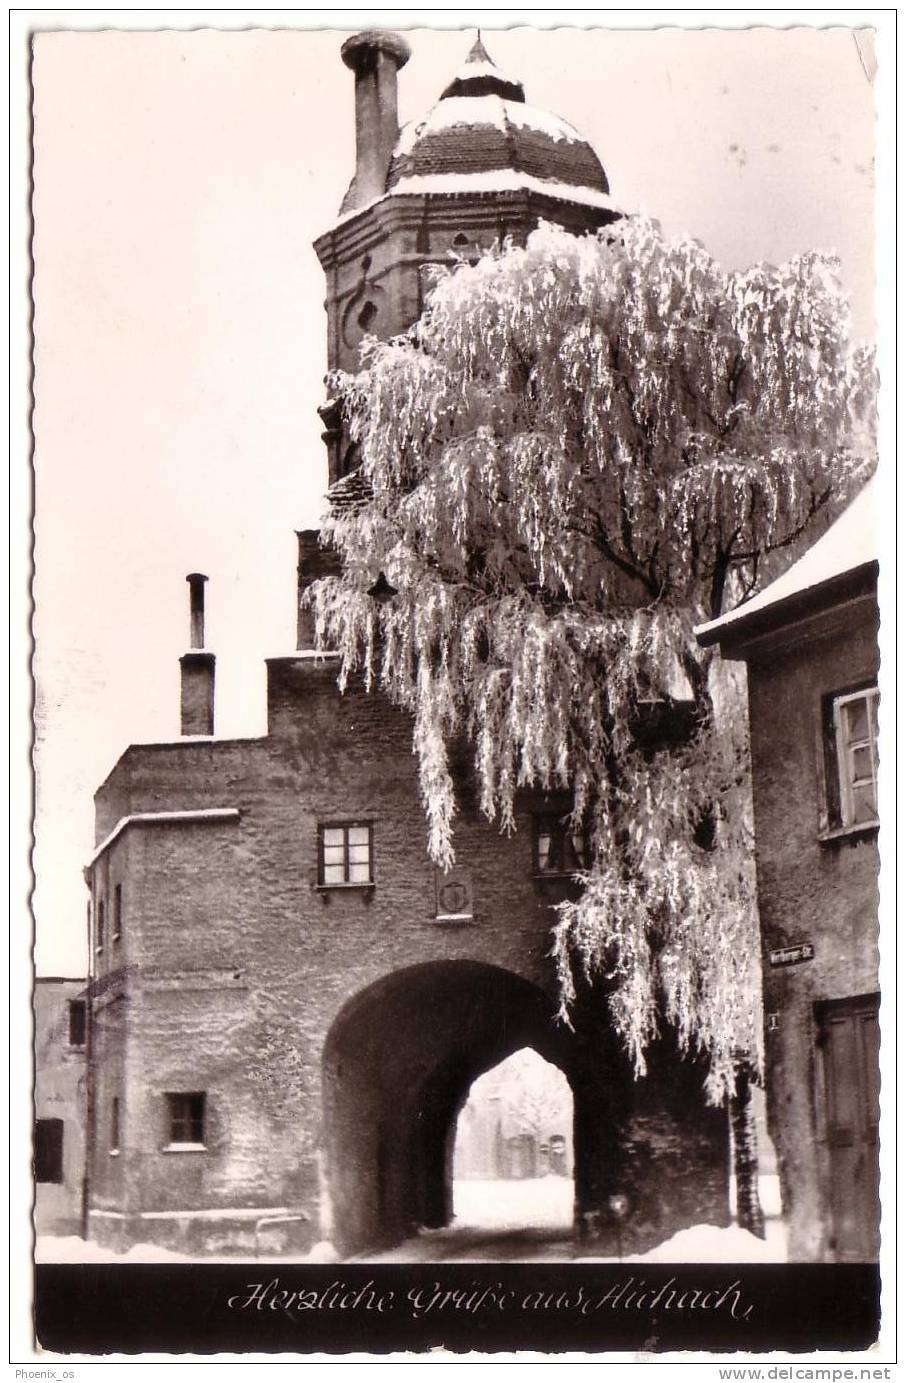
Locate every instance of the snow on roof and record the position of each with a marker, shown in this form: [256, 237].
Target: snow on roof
[497, 180]
[483, 67]
[850, 542]
[455, 110]
[164, 819]
[479, 65]
[534, 118]
[488, 112]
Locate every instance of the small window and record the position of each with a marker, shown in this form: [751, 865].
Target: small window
[344, 854]
[117, 913]
[186, 1117]
[48, 1163]
[367, 315]
[77, 1017]
[115, 1124]
[558, 848]
[855, 745]
[102, 922]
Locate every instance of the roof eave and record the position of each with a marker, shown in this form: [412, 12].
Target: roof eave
[735, 631]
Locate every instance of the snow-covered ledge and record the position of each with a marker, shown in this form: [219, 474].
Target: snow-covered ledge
[203, 814]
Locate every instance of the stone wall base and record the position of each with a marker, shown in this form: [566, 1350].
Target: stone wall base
[237, 1232]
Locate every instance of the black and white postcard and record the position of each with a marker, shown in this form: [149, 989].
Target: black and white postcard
[462, 526]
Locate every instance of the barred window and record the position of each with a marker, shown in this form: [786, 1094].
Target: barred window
[186, 1113]
[345, 853]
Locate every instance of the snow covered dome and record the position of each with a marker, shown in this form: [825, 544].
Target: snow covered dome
[482, 136]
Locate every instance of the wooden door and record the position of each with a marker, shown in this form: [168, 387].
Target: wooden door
[849, 1038]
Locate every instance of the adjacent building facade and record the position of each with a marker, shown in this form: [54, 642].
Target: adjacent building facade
[59, 1095]
[289, 1002]
[810, 645]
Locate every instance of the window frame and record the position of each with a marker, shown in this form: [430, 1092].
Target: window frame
[186, 1120]
[345, 827]
[542, 823]
[837, 810]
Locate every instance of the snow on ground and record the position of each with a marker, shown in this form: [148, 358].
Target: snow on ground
[69, 1248]
[50, 1248]
[526, 1221]
[709, 1244]
[541, 1201]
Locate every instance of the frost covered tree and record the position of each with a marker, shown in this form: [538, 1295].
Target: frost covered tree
[583, 449]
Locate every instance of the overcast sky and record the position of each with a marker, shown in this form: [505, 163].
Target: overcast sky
[180, 179]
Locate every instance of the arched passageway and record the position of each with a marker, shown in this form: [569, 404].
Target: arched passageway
[398, 1064]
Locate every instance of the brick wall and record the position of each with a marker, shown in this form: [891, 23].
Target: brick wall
[235, 968]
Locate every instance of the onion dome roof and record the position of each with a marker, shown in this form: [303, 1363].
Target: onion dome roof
[483, 136]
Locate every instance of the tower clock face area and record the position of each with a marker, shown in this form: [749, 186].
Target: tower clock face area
[364, 315]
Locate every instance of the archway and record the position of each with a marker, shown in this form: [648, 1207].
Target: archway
[513, 1151]
[398, 1063]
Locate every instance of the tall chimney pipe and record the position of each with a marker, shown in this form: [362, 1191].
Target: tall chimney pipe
[196, 582]
[375, 57]
[196, 668]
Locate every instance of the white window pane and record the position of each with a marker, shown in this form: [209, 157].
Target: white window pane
[333, 873]
[358, 835]
[856, 713]
[861, 764]
[865, 805]
[358, 854]
[333, 835]
[544, 851]
[359, 873]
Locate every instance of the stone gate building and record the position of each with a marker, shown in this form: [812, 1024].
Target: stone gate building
[288, 1002]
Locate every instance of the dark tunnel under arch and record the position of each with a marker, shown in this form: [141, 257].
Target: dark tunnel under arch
[398, 1064]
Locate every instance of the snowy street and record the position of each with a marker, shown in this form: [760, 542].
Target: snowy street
[490, 1225]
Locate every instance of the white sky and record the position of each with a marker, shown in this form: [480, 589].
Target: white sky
[180, 179]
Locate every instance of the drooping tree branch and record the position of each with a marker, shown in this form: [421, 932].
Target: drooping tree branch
[585, 447]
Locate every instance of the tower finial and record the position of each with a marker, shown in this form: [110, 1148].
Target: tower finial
[478, 52]
[480, 76]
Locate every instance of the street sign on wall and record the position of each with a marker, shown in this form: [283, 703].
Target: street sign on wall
[792, 955]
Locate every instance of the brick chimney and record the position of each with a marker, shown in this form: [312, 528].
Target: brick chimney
[315, 561]
[196, 668]
[375, 57]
